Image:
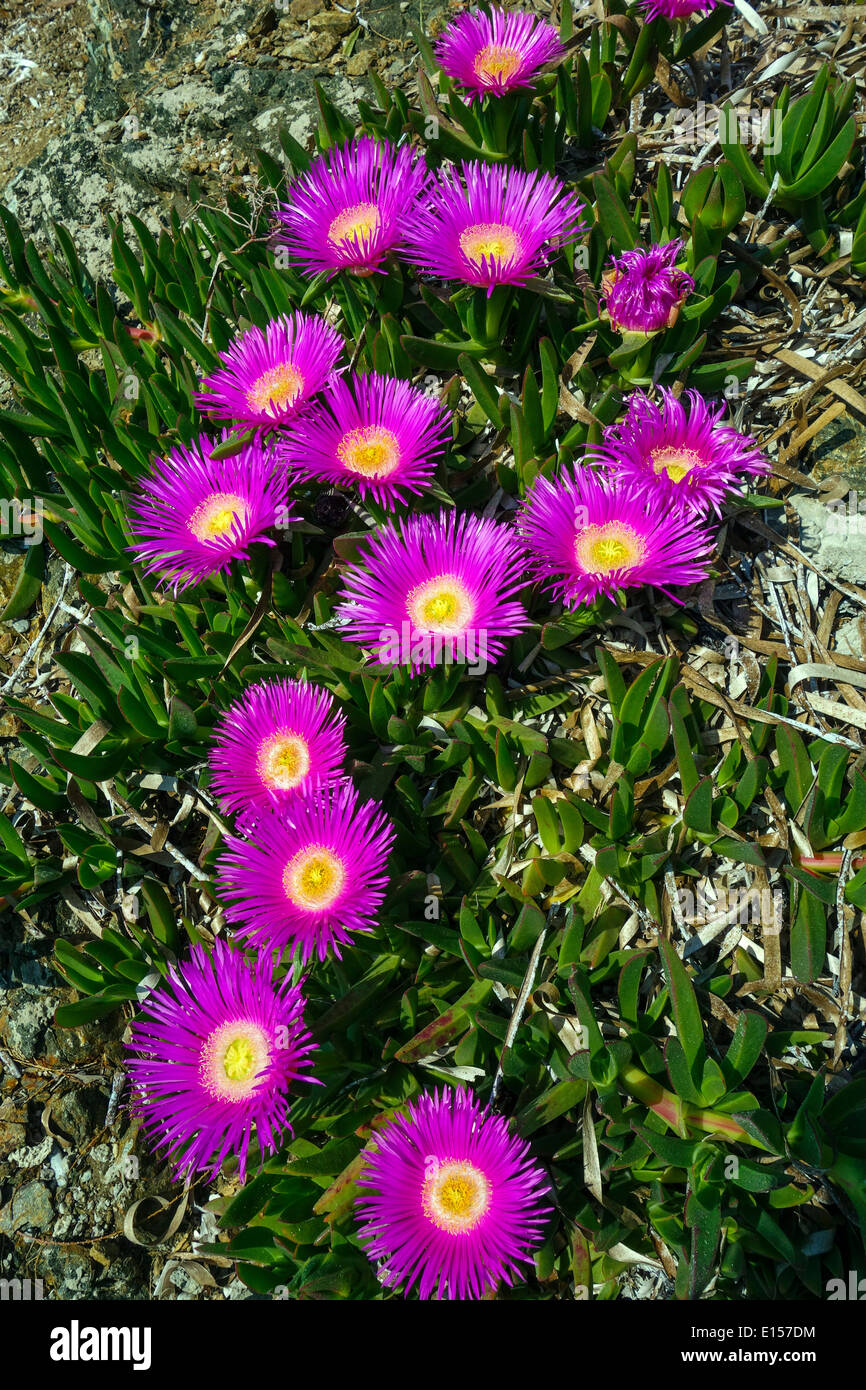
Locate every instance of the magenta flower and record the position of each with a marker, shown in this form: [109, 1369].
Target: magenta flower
[496, 52]
[270, 375]
[350, 209]
[679, 9]
[435, 588]
[679, 454]
[309, 876]
[457, 1204]
[275, 742]
[491, 225]
[375, 431]
[196, 514]
[644, 291]
[215, 1051]
[589, 535]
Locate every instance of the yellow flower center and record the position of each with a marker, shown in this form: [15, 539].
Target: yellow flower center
[489, 241]
[374, 452]
[232, 1059]
[441, 605]
[456, 1196]
[611, 546]
[677, 463]
[354, 224]
[239, 1059]
[314, 878]
[274, 389]
[496, 60]
[283, 761]
[216, 515]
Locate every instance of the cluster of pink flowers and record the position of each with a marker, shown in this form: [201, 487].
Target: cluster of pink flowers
[482, 224]
[452, 1202]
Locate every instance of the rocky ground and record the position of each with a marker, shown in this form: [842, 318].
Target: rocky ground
[112, 106]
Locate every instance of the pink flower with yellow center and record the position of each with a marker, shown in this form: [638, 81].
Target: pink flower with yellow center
[590, 535]
[376, 432]
[497, 52]
[680, 451]
[433, 589]
[456, 1204]
[276, 741]
[644, 291]
[308, 877]
[194, 515]
[271, 375]
[349, 210]
[491, 225]
[217, 1048]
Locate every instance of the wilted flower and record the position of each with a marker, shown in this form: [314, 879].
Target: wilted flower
[271, 374]
[679, 452]
[456, 1203]
[433, 588]
[377, 432]
[215, 1051]
[278, 740]
[195, 514]
[350, 208]
[496, 52]
[589, 535]
[310, 875]
[644, 291]
[491, 225]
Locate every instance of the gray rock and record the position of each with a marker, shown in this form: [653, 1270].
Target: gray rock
[78, 1114]
[832, 535]
[124, 1278]
[70, 1272]
[12, 1136]
[851, 637]
[29, 1209]
[79, 193]
[170, 92]
[59, 1165]
[28, 1014]
[184, 1283]
[31, 1156]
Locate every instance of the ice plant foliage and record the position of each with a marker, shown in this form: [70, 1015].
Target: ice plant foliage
[375, 432]
[491, 225]
[194, 515]
[644, 291]
[350, 209]
[435, 588]
[497, 52]
[679, 9]
[271, 374]
[277, 741]
[309, 876]
[590, 535]
[456, 1204]
[679, 451]
[213, 1056]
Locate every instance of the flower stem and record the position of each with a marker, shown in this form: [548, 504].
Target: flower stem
[497, 306]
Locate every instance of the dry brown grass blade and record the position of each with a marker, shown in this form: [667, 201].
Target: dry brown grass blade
[822, 376]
